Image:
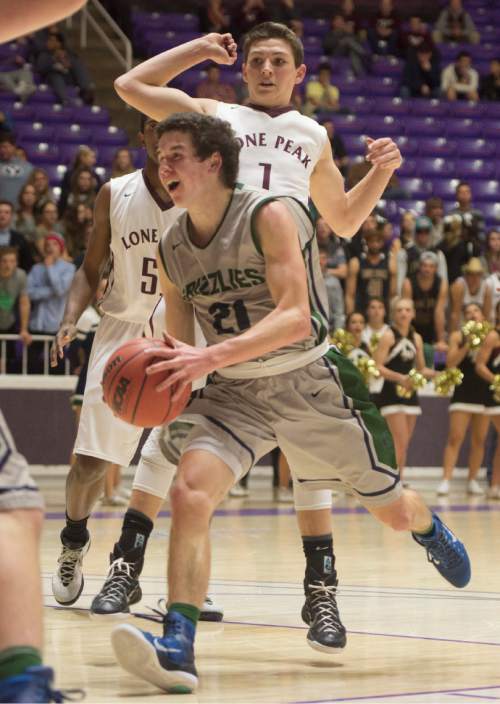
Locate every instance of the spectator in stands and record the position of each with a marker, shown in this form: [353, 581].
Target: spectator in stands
[60, 67]
[473, 218]
[490, 84]
[434, 210]
[321, 94]
[48, 285]
[214, 17]
[25, 221]
[352, 19]
[284, 11]
[338, 147]
[340, 41]
[407, 228]
[421, 74]
[409, 256]
[122, 163]
[415, 36]
[39, 179]
[13, 170]
[460, 81]
[247, 15]
[336, 313]
[454, 24]
[383, 35]
[9, 237]
[332, 245]
[429, 293]
[212, 87]
[469, 288]
[458, 245]
[84, 157]
[19, 79]
[48, 221]
[83, 188]
[373, 274]
[14, 303]
[491, 258]
[75, 230]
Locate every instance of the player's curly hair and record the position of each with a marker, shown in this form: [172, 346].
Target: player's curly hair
[274, 30]
[208, 135]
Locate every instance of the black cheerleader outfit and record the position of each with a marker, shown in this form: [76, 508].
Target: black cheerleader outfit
[492, 407]
[472, 394]
[402, 358]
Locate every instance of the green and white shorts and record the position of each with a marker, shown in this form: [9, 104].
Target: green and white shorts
[319, 415]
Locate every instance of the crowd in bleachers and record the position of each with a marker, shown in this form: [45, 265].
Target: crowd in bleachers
[382, 74]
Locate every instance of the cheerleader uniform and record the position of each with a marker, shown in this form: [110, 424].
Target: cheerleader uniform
[402, 357]
[473, 393]
[492, 407]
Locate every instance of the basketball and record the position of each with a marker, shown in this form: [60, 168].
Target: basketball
[131, 393]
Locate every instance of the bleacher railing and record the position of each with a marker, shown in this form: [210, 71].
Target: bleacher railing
[98, 23]
[47, 341]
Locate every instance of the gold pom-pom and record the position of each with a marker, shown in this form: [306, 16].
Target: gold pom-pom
[495, 387]
[368, 369]
[374, 340]
[445, 381]
[343, 340]
[418, 381]
[474, 333]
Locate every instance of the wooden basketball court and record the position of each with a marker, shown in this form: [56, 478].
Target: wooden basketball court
[411, 636]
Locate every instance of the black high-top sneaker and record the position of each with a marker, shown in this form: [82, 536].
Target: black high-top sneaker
[321, 613]
[121, 588]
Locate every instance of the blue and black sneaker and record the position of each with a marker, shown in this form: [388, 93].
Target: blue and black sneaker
[167, 661]
[446, 552]
[35, 685]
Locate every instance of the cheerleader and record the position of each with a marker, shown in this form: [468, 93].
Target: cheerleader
[375, 323]
[488, 366]
[400, 349]
[355, 325]
[467, 407]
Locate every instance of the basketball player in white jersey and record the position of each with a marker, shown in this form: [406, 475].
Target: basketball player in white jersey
[287, 153]
[235, 260]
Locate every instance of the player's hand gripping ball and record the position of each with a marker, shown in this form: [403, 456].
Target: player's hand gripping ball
[131, 393]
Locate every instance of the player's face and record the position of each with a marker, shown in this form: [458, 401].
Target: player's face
[182, 173]
[271, 74]
[150, 140]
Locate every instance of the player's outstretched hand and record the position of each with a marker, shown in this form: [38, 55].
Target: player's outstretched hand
[383, 153]
[184, 362]
[221, 48]
[66, 333]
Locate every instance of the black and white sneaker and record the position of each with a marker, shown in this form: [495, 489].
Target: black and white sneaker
[120, 590]
[67, 582]
[320, 612]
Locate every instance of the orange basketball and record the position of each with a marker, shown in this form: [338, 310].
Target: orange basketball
[131, 393]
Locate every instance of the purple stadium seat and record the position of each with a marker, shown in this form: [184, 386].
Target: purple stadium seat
[18, 111]
[138, 156]
[428, 108]
[407, 145]
[417, 188]
[387, 66]
[105, 174]
[359, 104]
[67, 153]
[476, 148]
[408, 168]
[34, 132]
[53, 114]
[391, 106]
[182, 22]
[416, 206]
[55, 172]
[349, 86]
[90, 115]
[387, 86]
[475, 168]
[41, 152]
[424, 126]
[466, 109]
[485, 189]
[43, 94]
[460, 128]
[436, 146]
[105, 155]
[483, 52]
[349, 124]
[315, 26]
[444, 188]
[387, 126]
[491, 212]
[491, 129]
[74, 134]
[105, 136]
[434, 167]
[354, 144]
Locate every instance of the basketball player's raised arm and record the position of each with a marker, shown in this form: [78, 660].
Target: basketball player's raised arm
[86, 280]
[143, 87]
[179, 316]
[346, 212]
